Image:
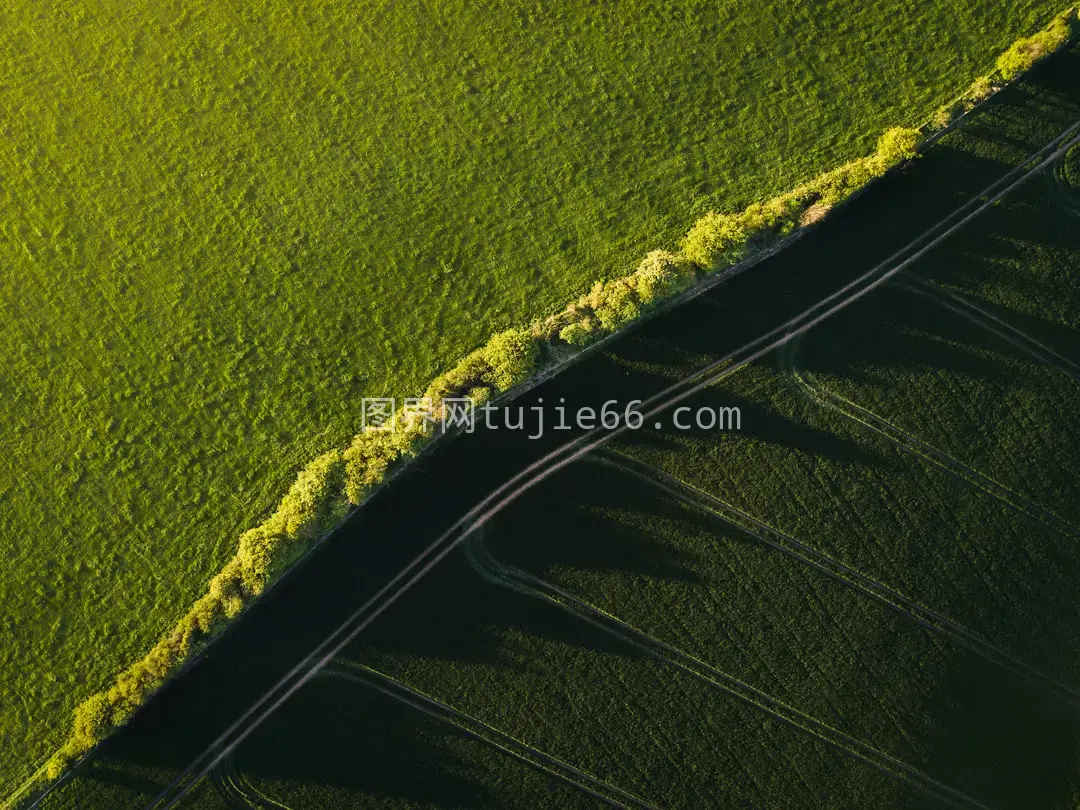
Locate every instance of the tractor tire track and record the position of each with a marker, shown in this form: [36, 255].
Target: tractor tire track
[853, 578]
[238, 790]
[477, 729]
[1065, 193]
[966, 308]
[927, 452]
[522, 582]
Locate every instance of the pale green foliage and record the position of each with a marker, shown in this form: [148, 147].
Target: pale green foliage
[715, 239]
[372, 452]
[662, 274]
[612, 304]
[895, 146]
[469, 370]
[1024, 53]
[511, 356]
[616, 303]
[578, 333]
[303, 512]
[844, 181]
[93, 720]
[981, 89]
[507, 359]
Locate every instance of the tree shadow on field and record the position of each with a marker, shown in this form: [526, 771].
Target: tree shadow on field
[341, 740]
[1002, 740]
[568, 522]
[758, 419]
[902, 329]
[347, 737]
[453, 614]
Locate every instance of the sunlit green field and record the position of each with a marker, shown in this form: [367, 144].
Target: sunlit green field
[223, 224]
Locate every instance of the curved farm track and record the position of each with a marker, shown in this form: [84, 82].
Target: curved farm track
[487, 734]
[1066, 180]
[240, 793]
[232, 784]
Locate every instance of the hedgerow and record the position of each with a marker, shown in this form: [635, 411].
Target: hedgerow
[1025, 53]
[1021, 56]
[315, 503]
[326, 489]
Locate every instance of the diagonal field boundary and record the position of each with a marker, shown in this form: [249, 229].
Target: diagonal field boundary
[514, 578]
[568, 453]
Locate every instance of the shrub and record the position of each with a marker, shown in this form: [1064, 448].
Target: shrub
[313, 502]
[1024, 53]
[512, 357]
[58, 763]
[371, 453]
[783, 212]
[981, 89]
[507, 359]
[895, 146]
[228, 587]
[93, 721]
[616, 303]
[715, 239]
[841, 182]
[662, 274]
[578, 333]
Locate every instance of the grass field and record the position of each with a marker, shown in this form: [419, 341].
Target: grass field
[860, 600]
[223, 225]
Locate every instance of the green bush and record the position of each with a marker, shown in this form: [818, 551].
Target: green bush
[578, 333]
[507, 359]
[1024, 53]
[715, 240]
[662, 274]
[844, 181]
[895, 146]
[511, 357]
[616, 304]
[93, 721]
[981, 89]
[371, 453]
[313, 503]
